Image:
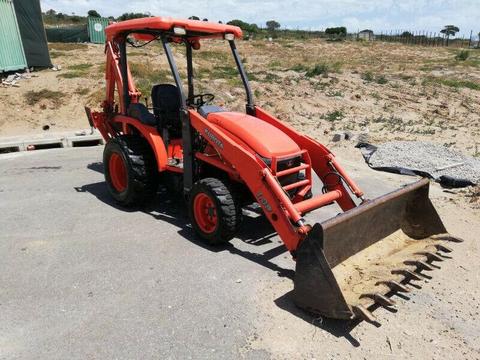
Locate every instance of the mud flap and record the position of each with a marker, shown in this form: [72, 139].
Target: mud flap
[332, 242]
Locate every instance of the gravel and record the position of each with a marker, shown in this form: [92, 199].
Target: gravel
[436, 160]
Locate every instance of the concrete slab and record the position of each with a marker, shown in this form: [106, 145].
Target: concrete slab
[50, 140]
[84, 140]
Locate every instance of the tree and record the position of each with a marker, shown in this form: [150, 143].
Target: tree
[128, 16]
[273, 25]
[50, 12]
[193, 17]
[340, 31]
[93, 13]
[449, 30]
[249, 28]
[406, 34]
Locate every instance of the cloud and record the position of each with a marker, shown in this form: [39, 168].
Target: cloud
[428, 15]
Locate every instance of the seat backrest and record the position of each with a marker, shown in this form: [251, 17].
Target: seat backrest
[166, 102]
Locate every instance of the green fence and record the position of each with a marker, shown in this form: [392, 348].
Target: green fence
[12, 56]
[68, 34]
[96, 29]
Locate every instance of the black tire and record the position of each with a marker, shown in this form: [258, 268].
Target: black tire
[227, 208]
[141, 170]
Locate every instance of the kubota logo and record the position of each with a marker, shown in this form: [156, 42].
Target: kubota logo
[214, 138]
[263, 201]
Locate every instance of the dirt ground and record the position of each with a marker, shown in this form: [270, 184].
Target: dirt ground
[386, 91]
[389, 91]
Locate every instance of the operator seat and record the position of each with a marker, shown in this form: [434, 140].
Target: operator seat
[166, 102]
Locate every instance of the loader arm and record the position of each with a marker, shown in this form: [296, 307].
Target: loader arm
[323, 161]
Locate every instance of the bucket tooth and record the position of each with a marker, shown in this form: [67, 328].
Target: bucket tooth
[448, 237]
[395, 286]
[430, 255]
[407, 273]
[443, 248]
[422, 265]
[380, 299]
[364, 314]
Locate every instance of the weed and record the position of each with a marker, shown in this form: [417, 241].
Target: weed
[76, 71]
[271, 77]
[369, 76]
[56, 54]
[146, 76]
[477, 151]
[318, 69]
[382, 80]
[462, 55]
[80, 67]
[299, 68]
[32, 97]
[334, 116]
[67, 46]
[96, 97]
[71, 74]
[332, 93]
[275, 65]
[452, 82]
[213, 55]
[82, 91]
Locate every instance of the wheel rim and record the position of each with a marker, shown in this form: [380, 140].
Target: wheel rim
[205, 213]
[118, 172]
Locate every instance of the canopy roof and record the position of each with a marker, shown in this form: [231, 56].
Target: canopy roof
[194, 28]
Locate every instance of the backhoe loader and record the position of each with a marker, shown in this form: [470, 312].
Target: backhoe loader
[223, 160]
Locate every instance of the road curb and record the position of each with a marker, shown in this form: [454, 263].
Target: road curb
[33, 142]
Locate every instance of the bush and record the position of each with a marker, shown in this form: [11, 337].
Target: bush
[318, 69]
[462, 55]
[337, 31]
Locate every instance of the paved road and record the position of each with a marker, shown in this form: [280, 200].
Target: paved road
[81, 278]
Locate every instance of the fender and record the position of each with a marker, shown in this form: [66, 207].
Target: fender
[150, 133]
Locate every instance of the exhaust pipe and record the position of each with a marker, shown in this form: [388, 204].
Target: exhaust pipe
[350, 262]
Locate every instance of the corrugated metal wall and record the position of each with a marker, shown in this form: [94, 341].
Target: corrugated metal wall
[12, 56]
[96, 29]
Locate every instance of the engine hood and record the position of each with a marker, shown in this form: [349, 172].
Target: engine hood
[265, 139]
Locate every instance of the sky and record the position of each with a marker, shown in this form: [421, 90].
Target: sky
[378, 15]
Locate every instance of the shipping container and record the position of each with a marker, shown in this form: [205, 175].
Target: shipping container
[96, 29]
[12, 56]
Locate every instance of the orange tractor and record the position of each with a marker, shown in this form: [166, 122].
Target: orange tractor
[223, 160]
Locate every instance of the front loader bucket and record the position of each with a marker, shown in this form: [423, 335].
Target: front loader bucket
[348, 263]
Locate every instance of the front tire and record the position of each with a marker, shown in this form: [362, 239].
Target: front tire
[130, 170]
[215, 212]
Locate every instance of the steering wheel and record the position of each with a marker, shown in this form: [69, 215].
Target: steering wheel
[200, 99]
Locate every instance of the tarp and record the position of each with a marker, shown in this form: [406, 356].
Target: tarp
[68, 34]
[448, 167]
[30, 22]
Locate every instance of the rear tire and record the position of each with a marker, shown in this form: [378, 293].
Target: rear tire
[215, 212]
[130, 170]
